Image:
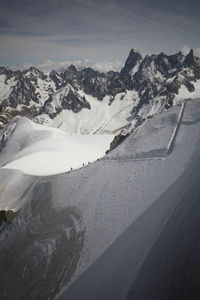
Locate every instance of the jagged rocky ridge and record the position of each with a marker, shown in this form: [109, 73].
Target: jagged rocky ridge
[156, 79]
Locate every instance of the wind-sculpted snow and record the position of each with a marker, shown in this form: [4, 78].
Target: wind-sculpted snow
[99, 202]
[153, 138]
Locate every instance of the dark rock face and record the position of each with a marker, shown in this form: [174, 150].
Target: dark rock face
[169, 65]
[32, 92]
[189, 60]
[133, 59]
[118, 139]
[3, 70]
[23, 92]
[55, 76]
[73, 102]
[34, 74]
[70, 101]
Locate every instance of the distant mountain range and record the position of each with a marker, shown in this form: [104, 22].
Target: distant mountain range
[84, 100]
[47, 65]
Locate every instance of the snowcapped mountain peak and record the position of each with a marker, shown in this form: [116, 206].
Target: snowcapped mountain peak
[132, 62]
[33, 73]
[190, 59]
[134, 51]
[72, 68]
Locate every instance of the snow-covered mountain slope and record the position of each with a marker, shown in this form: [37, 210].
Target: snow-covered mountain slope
[39, 150]
[102, 117]
[148, 142]
[66, 222]
[84, 100]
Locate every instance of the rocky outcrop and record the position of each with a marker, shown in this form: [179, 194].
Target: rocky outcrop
[23, 93]
[132, 61]
[56, 77]
[69, 99]
[118, 139]
[189, 61]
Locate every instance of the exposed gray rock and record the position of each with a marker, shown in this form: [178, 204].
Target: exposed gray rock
[118, 139]
[71, 101]
[133, 59]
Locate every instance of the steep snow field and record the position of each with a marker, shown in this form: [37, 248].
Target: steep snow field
[66, 223]
[154, 138]
[39, 150]
[103, 117]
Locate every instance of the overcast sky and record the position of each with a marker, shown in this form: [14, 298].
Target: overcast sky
[33, 30]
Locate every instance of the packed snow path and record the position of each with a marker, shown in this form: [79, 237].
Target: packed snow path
[66, 223]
